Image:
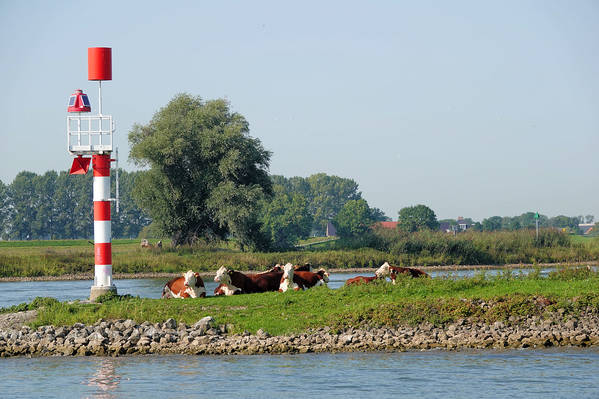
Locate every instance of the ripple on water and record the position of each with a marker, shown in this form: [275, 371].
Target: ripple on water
[433, 374]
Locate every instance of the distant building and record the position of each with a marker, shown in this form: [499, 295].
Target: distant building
[463, 224]
[445, 227]
[586, 228]
[387, 225]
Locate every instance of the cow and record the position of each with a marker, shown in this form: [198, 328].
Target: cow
[309, 279]
[306, 267]
[360, 280]
[412, 272]
[189, 285]
[287, 280]
[392, 271]
[296, 280]
[275, 268]
[381, 272]
[146, 244]
[222, 289]
[248, 283]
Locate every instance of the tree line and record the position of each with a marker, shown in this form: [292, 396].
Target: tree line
[57, 205]
[526, 220]
[204, 177]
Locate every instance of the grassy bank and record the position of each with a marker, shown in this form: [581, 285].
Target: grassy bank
[55, 258]
[412, 301]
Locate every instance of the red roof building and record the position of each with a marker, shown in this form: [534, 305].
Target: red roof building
[387, 225]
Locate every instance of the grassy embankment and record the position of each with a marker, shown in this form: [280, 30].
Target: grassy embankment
[60, 257]
[412, 301]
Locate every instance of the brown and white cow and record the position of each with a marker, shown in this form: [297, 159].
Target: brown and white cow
[248, 283]
[410, 271]
[381, 272]
[306, 267]
[275, 268]
[223, 289]
[386, 270]
[287, 280]
[309, 279]
[190, 285]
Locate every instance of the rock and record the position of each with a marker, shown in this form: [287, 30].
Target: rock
[262, 334]
[204, 324]
[346, 339]
[170, 324]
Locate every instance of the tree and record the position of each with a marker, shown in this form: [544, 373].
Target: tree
[510, 223]
[378, 215]
[328, 195]
[492, 224]
[477, 226]
[589, 218]
[354, 219]
[324, 194]
[25, 204]
[44, 225]
[562, 221]
[206, 174]
[418, 217]
[5, 211]
[285, 219]
[131, 219]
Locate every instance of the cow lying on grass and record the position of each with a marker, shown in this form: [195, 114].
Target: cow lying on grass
[190, 285]
[381, 272]
[296, 280]
[223, 289]
[247, 283]
[386, 270]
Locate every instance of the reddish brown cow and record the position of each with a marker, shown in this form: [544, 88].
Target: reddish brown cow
[412, 272]
[360, 280]
[186, 286]
[303, 268]
[381, 272]
[248, 283]
[308, 279]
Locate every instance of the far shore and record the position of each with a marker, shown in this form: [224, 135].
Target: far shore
[125, 276]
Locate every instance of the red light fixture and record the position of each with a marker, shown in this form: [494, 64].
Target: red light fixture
[78, 102]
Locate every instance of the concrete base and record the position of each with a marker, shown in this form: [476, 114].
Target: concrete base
[97, 291]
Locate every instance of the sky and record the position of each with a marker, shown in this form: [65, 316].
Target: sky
[472, 108]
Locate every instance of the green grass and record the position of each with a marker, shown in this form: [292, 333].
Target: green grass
[588, 240]
[411, 301]
[58, 243]
[60, 257]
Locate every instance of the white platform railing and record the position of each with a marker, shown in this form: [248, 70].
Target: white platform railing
[89, 134]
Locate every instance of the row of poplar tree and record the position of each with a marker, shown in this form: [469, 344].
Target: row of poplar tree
[56, 205]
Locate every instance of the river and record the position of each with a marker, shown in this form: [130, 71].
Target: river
[14, 293]
[544, 373]
[547, 373]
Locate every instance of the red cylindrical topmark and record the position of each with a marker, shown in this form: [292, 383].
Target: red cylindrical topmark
[99, 63]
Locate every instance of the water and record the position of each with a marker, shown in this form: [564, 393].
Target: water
[14, 293]
[433, 374]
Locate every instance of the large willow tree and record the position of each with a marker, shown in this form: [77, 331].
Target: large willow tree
[206, 175]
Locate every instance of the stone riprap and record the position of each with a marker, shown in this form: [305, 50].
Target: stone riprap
[126, 337]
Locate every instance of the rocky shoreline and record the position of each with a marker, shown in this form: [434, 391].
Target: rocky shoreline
[126, 337]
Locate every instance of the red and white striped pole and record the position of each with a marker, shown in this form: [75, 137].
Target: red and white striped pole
[102, 226]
